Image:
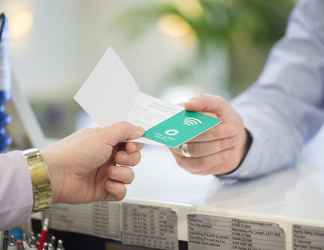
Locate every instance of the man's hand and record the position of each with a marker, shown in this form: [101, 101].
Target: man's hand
[221, 149]
[93, 164]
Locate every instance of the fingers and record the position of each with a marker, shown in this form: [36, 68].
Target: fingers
[212, 164]
[124, 158]
[218, 106]
[115, 191]
[122, 174]
[220, 149]
[213, 104]
[201, 149]
[132, 147]
[222, 131]
[118, 177]
[120, 132]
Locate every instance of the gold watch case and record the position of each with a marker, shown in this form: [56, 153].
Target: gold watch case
[42, 191]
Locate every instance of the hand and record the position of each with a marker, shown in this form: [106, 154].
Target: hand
[92, 164]
[221, 149]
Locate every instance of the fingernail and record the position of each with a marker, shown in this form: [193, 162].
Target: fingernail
[194, 100]
[131, 147]
[139, 146]
[191, 103]
[139, 131]
[123, 155]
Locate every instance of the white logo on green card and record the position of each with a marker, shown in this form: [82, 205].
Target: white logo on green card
[171, 132]
[181, 128]
[190, 121]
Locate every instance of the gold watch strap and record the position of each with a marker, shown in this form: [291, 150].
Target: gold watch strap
[41, 183]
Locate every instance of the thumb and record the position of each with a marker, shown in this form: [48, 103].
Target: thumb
[211, 104]
[121, 132]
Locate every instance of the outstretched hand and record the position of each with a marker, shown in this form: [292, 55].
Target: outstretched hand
[93, 164]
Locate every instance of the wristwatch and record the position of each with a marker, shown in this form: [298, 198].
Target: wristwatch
[42, 191]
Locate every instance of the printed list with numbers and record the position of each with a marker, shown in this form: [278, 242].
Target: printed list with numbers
[207, 232]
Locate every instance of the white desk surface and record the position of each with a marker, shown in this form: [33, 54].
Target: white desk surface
[291, 196]
[297, 192]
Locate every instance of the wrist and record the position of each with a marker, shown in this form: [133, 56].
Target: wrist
[50, 162]
[247, 145]
[247, 142]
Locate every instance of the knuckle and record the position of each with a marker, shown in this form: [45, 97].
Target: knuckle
[233, 141]
[139, 146]
[114, 172]
[129, 175]
[226, 130]
[133, 147]
[204, 163]
[230, 130]
[214, 132]
[221, 100]
[119, 158]
[131, 178]
[96, 131]
[183, 164]
[224, 156]
[137, 158]
[225, 143]
[110, 171]
[123, 126]
[180, 161]
[121, 193]
[193, 148]
[218, 145]
[130, 160]
[177, 154]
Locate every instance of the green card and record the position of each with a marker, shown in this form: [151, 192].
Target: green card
[181, 128]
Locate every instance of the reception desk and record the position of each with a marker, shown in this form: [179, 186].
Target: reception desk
[284, 210]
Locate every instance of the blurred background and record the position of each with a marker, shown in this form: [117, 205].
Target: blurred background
[175, 49]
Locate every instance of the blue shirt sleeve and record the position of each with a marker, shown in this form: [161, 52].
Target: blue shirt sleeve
[285, 108]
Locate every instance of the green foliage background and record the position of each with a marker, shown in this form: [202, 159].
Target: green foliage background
[246, 29]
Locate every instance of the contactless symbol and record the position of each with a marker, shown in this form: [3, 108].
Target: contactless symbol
[190, 121]
[171, 132]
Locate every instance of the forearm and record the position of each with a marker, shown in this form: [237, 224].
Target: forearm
[279, 126]
[285, 108]
[16, 196]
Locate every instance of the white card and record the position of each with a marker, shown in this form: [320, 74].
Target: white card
[111, 95]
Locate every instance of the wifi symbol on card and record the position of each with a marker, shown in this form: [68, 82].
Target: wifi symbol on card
[190, 121]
